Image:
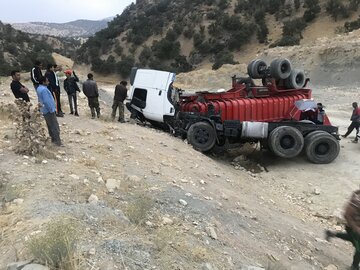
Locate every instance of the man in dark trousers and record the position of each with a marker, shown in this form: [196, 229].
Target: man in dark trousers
[119, 97]
[48, 109]
[355, 122]
[36, 74]
[57, 92]
[71, 87]
[19, 90]
[352, 234]
[50, 75]
[91, 91]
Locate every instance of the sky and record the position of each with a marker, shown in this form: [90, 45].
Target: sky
[59, 11]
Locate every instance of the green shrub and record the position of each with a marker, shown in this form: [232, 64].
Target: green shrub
[224, 57]
[337, 9]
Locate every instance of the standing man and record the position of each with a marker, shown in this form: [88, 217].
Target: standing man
[19, 90]
[355, 122]
[91, 91]
[50, 75]
[352, 234]
[119, 97]
[57, 91]
[48, 110]
[71, 87]
[36, 74]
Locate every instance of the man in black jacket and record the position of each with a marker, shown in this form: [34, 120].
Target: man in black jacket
[71, 87]
[50, 75]
[19, 90]
[57, 91]
[36, 73]
[119, 97]
[91, 91]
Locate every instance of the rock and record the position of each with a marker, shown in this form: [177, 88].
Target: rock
[240, 158]
[183, 202]
[35, 267]
[211, 232]
[317, 191]
[252, 268]
[93, 199]
[18, 201]
[86, 181]
[44, 162]
[149, 223]
[74, 176]
[331, 267]
[112, 184]
[167, 221]
[16, 265]
[133, 178]
[207, 266]
[92, 251]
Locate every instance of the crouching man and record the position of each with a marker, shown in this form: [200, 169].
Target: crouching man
[48, 109]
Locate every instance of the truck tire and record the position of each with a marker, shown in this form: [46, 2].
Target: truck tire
[296, 80]
[321, 147]
[201, 136]
[280, 69]
[286, 142]
[256, 69]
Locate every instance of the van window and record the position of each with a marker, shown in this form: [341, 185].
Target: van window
[139, 98]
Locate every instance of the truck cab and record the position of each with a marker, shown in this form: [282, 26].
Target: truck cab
[151, 94]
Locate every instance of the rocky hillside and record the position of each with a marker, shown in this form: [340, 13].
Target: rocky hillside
[183, 35]
[19, 50]
[78, 28]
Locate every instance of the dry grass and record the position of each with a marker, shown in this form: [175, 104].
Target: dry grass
[138, 210]
[56, 248]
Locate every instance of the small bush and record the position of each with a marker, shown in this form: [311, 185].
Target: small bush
[57, 247]
[138, 210]
[224, 57]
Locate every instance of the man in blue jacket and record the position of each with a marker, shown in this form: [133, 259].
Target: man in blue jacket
[48, 109]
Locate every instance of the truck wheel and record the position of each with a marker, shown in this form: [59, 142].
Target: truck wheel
[321, 147]
[296, 80]
[286, 142]
[256, 69]
[201, 136]
[280, 69]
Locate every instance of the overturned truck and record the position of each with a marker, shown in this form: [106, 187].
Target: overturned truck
[279, 114]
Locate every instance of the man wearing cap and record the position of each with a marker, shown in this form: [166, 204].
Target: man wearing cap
[71, 87]
[90, 89]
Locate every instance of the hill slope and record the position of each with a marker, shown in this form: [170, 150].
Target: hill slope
[19, 50]
[183, 35]
[78, 28]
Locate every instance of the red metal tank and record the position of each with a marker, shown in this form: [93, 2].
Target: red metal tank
[257, 103]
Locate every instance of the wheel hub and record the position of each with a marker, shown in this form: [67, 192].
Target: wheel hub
[202, 136]
[287, 142]
[322, 149]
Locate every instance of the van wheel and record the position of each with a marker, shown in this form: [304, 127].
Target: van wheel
[321, 147]
[201, 136]
[286, 142]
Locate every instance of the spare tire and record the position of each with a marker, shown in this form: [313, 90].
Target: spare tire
[286, 142]
[256, 69]
[321, 147]
[201, 136]
[280, 69]
[296, 80]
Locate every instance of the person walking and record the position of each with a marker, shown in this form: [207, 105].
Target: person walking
[50, 75]
[355, 122]
[71, 87]
[19, 90]
[352, 227]
[48, 110]
[119, 97]
[90, 89]
[36, 74]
